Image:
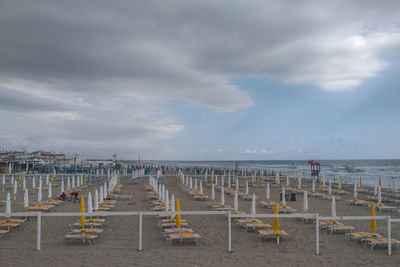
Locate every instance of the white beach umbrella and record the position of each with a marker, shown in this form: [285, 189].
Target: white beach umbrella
[313, 185]
[105, 191]
[253, 205]
[247, 187]
[237, 184]
[330, 187]
[216, 179]
[236, 202]
[96, 199]
[267, 192]
[212, 192]
[379, 195]
[333, 211]
[173, 206]
[68, 184]
[340, 183]
[89, 203]
[101, 198]
[229, 180]
[395, 186]
[283, 196]
[191, 183]
[222, 196]
[47, 179]
[73, 182]
[49, 191]
[287, 180]
[15, 190]
[299, 180]
[62, 186]
[305, 202]
[23, 183]
[33, 182]
[277, 178]
[195, 184]
[12, 179]
[78, 181]
[222, 181]
[355, 190]
[40, 191]
[4, 180]
[8, 205]
[26, 199]
[201, 187]
[323, 181]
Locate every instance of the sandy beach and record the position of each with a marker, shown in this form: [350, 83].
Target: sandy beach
[117, 245]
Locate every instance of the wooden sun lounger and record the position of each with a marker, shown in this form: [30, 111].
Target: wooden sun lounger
[110, 202]
[2, 233]
[181, 237]
[84, 237]
[87, 230]
[158, 208]
[341, 192]
[362, 236]
[97, 220]
[247, 197]
[242, 222]
[253, 226]
[13, 221]
[172, 225]
[383, 241]
[88, 225]
[339, 228]
[330, 197]
[222, 208]
[359, 202]
[286, 210]
[200, 197]
[385, 208]
[267, 203]
[10, 226]
[40, 208]
[268, 234]
[325, 224]
[54, 202]
[168, 231]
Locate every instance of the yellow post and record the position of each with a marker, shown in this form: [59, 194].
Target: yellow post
[276, 220]
[52, 178]
[258, 179]
[178, 216]
[360, 181]
[180, 179]
[340, 180]
[380, 181]
[82, 209]
[373, 222]
[85, 179]
[117, 179]
[20, 178]
[211, 180]
[319, 180]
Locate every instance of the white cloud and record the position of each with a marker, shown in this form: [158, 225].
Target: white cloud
[250, 151]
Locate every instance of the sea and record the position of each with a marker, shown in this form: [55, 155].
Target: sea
[349, 170]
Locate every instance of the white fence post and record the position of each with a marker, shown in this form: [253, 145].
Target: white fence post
[140, 231]
[229, 232]
[39, 222]
[317, 234]
[389, 234]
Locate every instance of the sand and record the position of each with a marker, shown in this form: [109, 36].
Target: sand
[117, 245]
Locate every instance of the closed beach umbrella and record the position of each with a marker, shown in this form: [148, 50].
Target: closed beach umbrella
[222, 196]
[373, 221]
[20, 178]
[190, 183]
[195, 184]
[247, 187]
[68, 184]
[236, 202]
[212, 192]
[15, 190]
[82, 209]
[305, 202]
[376, 189]
[237, 184]
[330, 187]
[78, 182]
[229, 180]
[222, 181]
[47, 179]
[89, 204]
[313, 186]
[333, 211]
[73, 182]
[49, 192]
[8, 205]
[360, 181]
[211, 179]
[253, 205]
[40, 191]
[96, 199]
[33, 182]
[216, 179]
[283, 196]
[101, 198]
[324, 182]
[380, 181]
[26, 199]
[267, 191]
[395, 186]
[173, 206]
[287, 181]
[319, 180]
[299, 182]
[4, 180]
[23, 183]
[201, 187]
[277, 178]
[62, 186]
[166, 200]
[340, 182]
[379, 195]
[105, 191]
[178, 216]
[276, 219]
[355, 190]
[12, 179]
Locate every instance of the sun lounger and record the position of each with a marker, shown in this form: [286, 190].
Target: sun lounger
[109, 202]
[168, 231]
[13, 221]
[247, 197]
[10, 226]
[88, 225]
[385, 208]
[329, 197]
[181, 237]
[325, 224]
[286, 210]
[362, 236]
[253, 226]
[200, 197]
[383, 241]
[267, 203]
[88, 230]
[172, 225]
[359, 202]
[316, 195]
[223, 208]
[97, 220]
[341, 192]
[42, 207]
[339, 228]
[54, 202]
[84, 237]
[243, 222]
[2, 233]
[268, 234]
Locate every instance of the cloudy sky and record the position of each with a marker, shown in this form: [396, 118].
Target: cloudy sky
[201, 80]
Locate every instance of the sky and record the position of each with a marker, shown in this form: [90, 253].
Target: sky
[201, 80]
